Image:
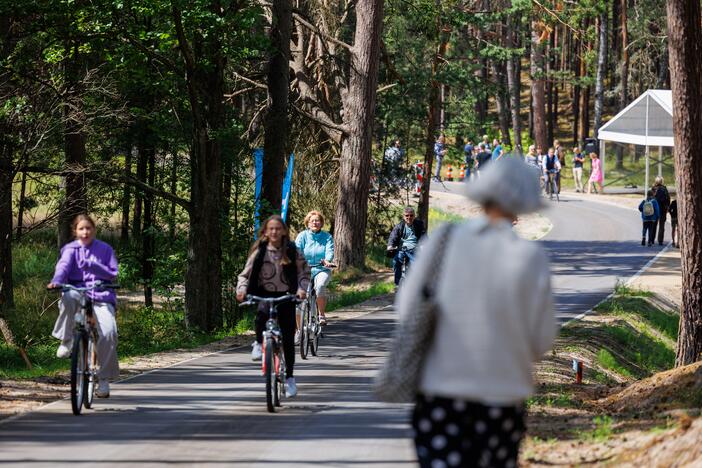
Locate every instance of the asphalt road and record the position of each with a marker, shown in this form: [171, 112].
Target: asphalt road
[211, 411]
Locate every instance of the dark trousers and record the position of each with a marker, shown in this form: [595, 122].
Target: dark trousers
[661, 226]
[397, 262]
[649, 226]
[451, 432]
[286, 320]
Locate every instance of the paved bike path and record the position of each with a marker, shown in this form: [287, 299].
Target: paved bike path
[211, 411]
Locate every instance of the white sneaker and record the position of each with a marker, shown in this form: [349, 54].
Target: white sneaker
[64, 349]
[298, 334]
[290, 388]
[103, 390]
[256, 351]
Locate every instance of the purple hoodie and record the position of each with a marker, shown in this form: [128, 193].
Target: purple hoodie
[82, 265]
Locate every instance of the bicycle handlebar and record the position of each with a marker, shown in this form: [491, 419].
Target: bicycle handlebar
[253, 300]
[328, 265]
[94, 286]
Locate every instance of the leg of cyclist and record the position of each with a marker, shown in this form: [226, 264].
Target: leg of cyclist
[321, 280]
[259, 325]
[69, 304]
[106, 346]
[286, 320]
[397, 266]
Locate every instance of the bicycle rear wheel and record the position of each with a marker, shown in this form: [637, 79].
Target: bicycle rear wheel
[280, 375]
[270, 375]
[315, 327]
[91, 373]
[79, 383]
[304, 329]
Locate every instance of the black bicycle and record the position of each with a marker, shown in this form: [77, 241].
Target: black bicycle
[84, 361]
[310, 328]
[273, 362]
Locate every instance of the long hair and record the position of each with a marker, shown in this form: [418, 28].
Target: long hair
[263, 238]
[77, 220]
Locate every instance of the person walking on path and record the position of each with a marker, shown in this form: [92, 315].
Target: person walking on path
[468, 158]
[596, 175]
[275, 267]
[403, 241]
[482, 159]
[650, 212]
[578, 160]
[440, 151]
[471, 411]
[83, 262]
[660, 191]
[673, 210]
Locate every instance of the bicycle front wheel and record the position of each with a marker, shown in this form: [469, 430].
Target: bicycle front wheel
[315, 327]
[270, 375]
[304, 329]
[79, 383]
[91, 373]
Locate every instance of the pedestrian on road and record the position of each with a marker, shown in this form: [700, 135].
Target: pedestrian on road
[476, 371]
[673, 210]
[468, 158]
[663, 198]
[440, 151]
[275, 267]
[318, 248]
[483, 159]
[650, 212]
[83, 262]
[596, 176]
[394, 157]
[578, 160]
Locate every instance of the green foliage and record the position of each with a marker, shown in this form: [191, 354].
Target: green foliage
[602, 430]
[608, 361]
[355, 297]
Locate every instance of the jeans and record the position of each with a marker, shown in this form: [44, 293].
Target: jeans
[439, 160]
[649, 226]
[398, 260]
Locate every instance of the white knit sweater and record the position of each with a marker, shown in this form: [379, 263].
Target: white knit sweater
[496, 313]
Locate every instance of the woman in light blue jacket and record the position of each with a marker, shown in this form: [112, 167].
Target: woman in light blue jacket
[318, 248]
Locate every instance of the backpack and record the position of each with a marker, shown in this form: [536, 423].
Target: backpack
[648, 209]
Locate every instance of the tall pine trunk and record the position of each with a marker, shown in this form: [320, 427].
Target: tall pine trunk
[685, 46]
[601, 64]
[538, 88]
[514, 81]
[276, 122]
[359, 112]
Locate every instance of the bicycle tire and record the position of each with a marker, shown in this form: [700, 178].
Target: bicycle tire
[269, 374]
[79, 384]
[304, 330]
[91, 373]
[315, 326]
[279, 377]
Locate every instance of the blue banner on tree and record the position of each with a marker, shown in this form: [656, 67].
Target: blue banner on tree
[287, 185]
[258, 165]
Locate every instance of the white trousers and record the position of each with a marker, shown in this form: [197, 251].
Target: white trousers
[69, 305]
[578, 177]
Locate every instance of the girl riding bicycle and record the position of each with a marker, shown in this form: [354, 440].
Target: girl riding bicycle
[318, 249]
[83, 262]
[275, 267]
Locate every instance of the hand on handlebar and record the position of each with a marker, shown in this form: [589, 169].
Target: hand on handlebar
[240, 296]
[301, 294]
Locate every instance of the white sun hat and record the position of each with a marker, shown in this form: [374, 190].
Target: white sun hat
[510, 183]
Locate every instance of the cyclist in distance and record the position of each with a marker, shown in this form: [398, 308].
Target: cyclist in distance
[552, 166]
[403, 241]
[275, 267]
[318, 248]
[83, 262]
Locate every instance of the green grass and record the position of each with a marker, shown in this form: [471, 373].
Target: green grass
[438, 217]
[602, 430]
[355, 297]
[606, 360]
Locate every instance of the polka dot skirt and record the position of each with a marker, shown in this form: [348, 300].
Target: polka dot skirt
[450, 432]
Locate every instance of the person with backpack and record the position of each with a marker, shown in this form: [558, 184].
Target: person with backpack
[650, 212]
[663, 198]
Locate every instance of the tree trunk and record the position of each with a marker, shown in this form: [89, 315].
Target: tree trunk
[538, 88]
[550, 101]
[584, 120]
[148, 235]
[205, 81]
[359, 113]
[576, 91]
[142, 160]
[601, 64]
[6, 178]
[276, 123]
[126, 197]
[174, 191]
[502, 101]
[685, 46]
[20, 205]
[624, 70]
[514, 82]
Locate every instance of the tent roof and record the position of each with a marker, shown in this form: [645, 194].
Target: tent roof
[630, 125]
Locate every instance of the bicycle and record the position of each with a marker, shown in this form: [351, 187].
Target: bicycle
[405, 261]
[273, 362]
[551, 186]
[84, 362]
[310, 328]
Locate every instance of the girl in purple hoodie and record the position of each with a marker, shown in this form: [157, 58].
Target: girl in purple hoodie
[82, 262]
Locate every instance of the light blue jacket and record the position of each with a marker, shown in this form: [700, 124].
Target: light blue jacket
[316, 247]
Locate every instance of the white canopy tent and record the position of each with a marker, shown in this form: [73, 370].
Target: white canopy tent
[648, 121]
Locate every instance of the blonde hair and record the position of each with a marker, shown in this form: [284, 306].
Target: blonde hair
[658, 181]
[312, 213]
